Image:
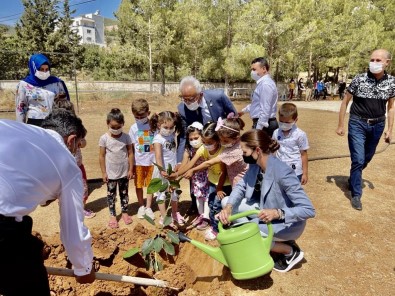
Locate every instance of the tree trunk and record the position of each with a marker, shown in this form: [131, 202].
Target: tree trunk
[163, 79]
[150, 54]
[310, 61]
[276, 72]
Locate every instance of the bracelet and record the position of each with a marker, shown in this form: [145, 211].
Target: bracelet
[281, 215]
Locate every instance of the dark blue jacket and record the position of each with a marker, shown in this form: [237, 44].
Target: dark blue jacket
[218, 104]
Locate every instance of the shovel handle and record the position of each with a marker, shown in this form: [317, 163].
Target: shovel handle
[112, 277]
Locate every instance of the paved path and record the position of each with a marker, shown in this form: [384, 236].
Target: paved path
[320, 105]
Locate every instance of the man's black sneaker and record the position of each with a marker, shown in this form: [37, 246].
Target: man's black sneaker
[285, 263]
[356, 203]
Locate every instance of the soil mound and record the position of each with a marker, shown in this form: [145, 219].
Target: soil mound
[108, 247]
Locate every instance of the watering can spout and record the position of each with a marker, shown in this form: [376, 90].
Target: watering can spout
[215, 253]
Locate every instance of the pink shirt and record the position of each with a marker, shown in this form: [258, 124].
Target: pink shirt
[236, 168]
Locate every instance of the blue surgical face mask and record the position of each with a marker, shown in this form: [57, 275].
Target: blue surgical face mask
[142, 120]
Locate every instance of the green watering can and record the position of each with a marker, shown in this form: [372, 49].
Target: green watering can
[242, 248]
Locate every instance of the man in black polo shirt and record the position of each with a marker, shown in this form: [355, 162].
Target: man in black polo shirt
[373, 94]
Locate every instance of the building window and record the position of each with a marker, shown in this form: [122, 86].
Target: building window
[89, 39]
[89, 31]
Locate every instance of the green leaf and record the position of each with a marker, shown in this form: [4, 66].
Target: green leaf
[147, 247]
[164, 186]
[167, 221]
[162, 169]
[154, 185]
[169, 248]
[149, 220]
[169, 169]
[158, 244]
[173, 237]
[131, 253]
[174, 183]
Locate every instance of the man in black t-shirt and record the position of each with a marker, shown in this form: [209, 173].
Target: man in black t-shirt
[373, 94]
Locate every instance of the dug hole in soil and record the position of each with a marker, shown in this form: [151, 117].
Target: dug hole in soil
[190, 270]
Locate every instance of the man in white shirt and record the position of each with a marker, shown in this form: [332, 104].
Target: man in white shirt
[37, 167]
[263, 107]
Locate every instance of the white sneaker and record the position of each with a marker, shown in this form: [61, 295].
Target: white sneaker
[150, 213]
[210, 235]
[141, 212]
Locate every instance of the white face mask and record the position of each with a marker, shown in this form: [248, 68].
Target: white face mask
[285, 126]
[167, 132]
[376, 67]
[192, 106]
[196, 143]
[227, 145]
[210, 147]
[42, 75]
[115, 132]
[255, 76]
[142, 120]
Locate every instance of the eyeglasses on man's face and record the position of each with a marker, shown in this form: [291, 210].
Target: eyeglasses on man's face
[189, 100]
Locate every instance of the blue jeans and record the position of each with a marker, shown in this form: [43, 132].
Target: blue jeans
[363, 139]
[215, 204]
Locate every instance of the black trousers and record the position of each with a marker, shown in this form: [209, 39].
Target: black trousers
[33, 121]
[22, 270]
[273, 125]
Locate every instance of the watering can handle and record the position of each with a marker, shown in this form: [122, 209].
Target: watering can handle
[245, 214]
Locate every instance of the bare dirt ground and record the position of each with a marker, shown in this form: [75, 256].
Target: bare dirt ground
[347, 252]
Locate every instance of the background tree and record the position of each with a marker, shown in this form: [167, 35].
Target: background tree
[64, 41]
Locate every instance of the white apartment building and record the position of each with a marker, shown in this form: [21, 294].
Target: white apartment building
[91, 28]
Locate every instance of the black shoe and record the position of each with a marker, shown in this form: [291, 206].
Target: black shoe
[356, 203]
[285, 263]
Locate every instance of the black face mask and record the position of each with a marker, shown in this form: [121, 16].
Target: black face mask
[249, 159]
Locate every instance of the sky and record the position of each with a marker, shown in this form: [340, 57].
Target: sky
[11, 10]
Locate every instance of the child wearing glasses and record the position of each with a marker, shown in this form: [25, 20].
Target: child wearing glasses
[293, 141]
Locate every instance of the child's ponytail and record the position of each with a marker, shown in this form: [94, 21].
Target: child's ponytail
[153, 122]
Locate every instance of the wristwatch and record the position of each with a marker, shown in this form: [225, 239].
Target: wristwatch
[281, 214]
